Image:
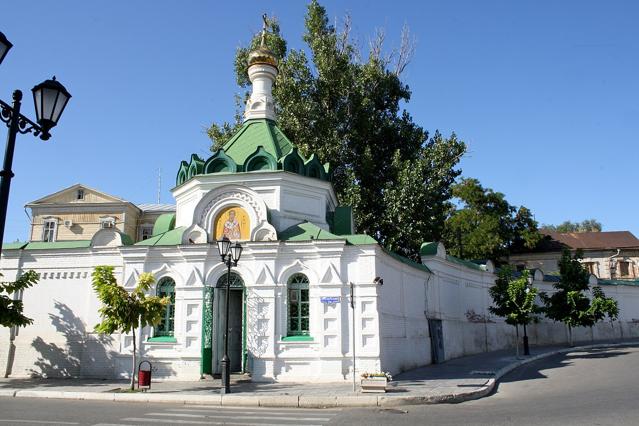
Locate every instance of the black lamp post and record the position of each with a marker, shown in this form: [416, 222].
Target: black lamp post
[230, 256]
[531, 278]
[50, 98]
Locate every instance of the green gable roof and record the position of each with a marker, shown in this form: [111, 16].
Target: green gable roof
[169, 238]
[256, 133]
[48, 245]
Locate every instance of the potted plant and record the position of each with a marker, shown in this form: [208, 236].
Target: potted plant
[375, 382]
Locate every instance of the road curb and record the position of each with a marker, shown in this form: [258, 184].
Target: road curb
[301, 401]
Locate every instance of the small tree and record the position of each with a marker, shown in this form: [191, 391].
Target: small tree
[124, 311]
[514, 300]
[570, 304]
[11, 308]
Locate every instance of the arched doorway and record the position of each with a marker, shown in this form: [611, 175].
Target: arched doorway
[236, 323]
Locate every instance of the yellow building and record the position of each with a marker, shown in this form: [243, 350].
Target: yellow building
[76, 213]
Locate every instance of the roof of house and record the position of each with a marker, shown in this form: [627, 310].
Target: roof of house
[159, 208]
[596, 240]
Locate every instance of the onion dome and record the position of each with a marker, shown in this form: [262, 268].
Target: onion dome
[262, 55]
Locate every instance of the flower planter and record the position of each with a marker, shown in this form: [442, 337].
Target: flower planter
[374, 384]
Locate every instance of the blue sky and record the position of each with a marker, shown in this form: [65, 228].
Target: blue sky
[545, 93]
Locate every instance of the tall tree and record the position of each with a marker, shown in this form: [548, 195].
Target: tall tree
[485, 225]
[570, 303]
[11, 308]
[124, 312]
[588, 225]
[348, 111]
[514, 299]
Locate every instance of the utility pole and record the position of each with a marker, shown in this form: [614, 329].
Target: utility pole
[159, 184]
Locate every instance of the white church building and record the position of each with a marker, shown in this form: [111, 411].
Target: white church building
[290, 316]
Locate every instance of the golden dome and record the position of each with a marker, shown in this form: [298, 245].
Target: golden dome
[262, 55]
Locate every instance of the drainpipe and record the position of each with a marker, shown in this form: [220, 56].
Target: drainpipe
[610, 261]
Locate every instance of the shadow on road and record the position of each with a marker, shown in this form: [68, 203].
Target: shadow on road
[536, 369]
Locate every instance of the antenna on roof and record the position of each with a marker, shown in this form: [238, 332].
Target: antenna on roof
[159, 184]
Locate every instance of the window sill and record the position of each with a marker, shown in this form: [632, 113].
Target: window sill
[297, 339]
[162, 339]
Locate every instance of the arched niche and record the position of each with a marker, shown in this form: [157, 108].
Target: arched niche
[226, 198]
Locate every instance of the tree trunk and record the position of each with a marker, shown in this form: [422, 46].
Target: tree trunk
[133, 362]
[570, 337]
[517, 340]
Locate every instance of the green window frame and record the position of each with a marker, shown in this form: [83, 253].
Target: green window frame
[298, 305]
[166, 328]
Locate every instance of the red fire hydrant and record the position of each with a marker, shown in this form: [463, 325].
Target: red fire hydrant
[144, 374]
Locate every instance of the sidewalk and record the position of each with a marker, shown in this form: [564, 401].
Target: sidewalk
[456, 380]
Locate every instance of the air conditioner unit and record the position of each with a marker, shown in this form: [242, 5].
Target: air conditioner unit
[68, 223]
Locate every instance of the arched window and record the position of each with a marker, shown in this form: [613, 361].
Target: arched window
[298, 305]
[236, 281]
[166, 288]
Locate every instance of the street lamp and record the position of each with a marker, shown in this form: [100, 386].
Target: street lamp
[50, 98]
[531, 279]
[230, 255]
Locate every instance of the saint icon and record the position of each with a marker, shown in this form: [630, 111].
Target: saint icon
[231, 227]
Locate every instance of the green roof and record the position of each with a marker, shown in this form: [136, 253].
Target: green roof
[256, 133]
[307, 231]
[467, 263]
[49, 245]
[13, 246]
[164, 223]
[406, 260]
[169, 238]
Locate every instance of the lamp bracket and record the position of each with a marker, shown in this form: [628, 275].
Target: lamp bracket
[24, 124]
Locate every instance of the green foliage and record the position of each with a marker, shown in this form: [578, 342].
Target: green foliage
[488, 225]
[513, 299]
[570, 304]
[348, 111]
[588, 225]
[10, 309]
[124, 311]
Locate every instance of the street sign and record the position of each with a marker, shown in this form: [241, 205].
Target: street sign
[330, 300]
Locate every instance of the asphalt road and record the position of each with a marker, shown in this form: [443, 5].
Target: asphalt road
[597, 387]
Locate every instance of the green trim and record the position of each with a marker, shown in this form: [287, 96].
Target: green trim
[162, 339]
[206, 362]
[465, 263]
[14, 246]
[297, 338]
[182, 174]
[314, 168]
[218, 159]
[429, 248]
[293, 162]
[260, 156]
[48, 245]
[307, 231]
[196, 166]
[406, 260]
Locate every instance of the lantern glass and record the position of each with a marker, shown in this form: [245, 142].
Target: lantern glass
[5, 45]
[50, 98]
[223, 246]
[236, 252]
